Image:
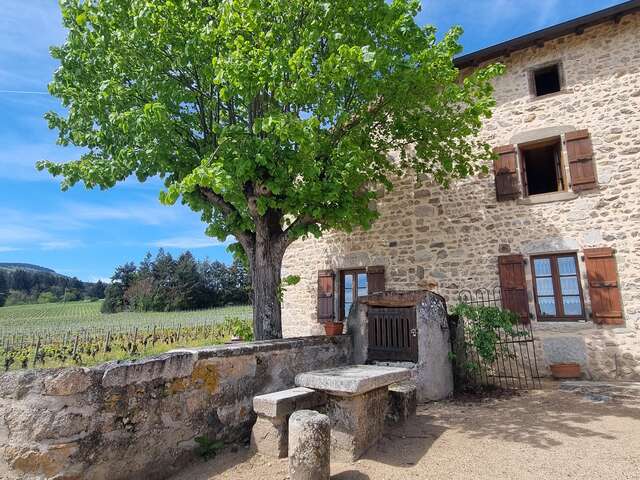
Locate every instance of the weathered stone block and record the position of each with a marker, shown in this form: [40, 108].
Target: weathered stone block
[269, 436]
[402, 402]
[357, 423]
[168, 366]
[309, 446]
[69, 381]
[284, 402]
[353, 380]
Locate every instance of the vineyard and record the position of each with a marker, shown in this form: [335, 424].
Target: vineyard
[76, 333]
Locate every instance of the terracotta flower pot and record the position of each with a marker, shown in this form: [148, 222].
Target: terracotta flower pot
[333, 328]
[565, 370]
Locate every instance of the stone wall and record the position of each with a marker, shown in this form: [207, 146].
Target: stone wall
[139, 419]
[449, 240]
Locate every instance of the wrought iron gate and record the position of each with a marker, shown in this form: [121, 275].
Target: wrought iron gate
[515, 365]
[393, 334]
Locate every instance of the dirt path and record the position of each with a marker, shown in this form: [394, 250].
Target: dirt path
[548, 434]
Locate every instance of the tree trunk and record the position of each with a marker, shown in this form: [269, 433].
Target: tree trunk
[265, 262]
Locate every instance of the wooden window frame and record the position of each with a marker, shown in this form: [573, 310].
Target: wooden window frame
[561, 176]
[557, 292]
[343, 273]
[531, 73]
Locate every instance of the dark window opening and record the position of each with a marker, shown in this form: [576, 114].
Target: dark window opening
[556, 284]
[353, 285]
[547, 80]
[541, 168]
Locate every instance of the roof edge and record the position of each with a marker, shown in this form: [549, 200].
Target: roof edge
[577, 25]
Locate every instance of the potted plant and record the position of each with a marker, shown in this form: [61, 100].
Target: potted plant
[565, 370]
[332, 328]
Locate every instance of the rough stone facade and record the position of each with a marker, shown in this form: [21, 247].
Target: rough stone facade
[449, 240]
[139, 419]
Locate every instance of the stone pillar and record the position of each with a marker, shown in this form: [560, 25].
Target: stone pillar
[357, 423]
[309, 446]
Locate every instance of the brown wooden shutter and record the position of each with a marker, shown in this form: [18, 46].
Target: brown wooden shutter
[513, 285]
[326, 282]
[506, 173]
[580, 155]
[375, 279]
[604, 291]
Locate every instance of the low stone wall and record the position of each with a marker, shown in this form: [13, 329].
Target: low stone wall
[139, 419]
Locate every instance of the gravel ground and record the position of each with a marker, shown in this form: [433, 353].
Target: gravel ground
[545, 434]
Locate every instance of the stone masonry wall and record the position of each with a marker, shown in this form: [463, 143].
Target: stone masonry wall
[449, 240]
[139, 419]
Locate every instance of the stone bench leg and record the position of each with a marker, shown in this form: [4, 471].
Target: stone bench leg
[402, 402]
[357, 423]
[309, 446]
[269, 436]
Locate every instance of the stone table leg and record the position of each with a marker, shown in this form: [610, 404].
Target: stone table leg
[357, 423]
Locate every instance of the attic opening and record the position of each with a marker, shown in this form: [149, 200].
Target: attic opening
[541, 167]
[546, 80]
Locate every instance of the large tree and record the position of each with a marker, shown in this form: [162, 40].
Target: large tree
[275, 119]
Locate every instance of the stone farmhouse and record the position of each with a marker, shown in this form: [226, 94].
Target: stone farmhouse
[555, 227]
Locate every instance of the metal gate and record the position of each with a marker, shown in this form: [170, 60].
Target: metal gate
[393, 334]
[515, 365]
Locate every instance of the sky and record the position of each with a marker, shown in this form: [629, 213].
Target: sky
[87, 233]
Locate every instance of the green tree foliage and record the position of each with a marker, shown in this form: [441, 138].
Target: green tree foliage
[166, 284]
[4, 287]
[274, 119]
[40, 286]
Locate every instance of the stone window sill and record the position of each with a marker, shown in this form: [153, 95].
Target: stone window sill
[560, 325]
[547, 198]
[535, 98]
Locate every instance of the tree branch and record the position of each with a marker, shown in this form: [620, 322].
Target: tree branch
[373, 108]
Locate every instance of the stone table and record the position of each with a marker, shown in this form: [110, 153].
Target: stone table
[357, 397]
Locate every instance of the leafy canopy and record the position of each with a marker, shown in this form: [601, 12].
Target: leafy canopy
[254, 108]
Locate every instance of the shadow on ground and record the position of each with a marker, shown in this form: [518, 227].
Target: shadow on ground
[537, 419]
[445, 435]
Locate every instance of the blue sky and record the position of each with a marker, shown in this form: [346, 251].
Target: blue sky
[87, 233]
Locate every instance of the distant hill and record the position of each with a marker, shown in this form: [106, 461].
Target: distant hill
[27, 266]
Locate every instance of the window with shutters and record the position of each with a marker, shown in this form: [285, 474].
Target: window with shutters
[541, 167]
[557, 289]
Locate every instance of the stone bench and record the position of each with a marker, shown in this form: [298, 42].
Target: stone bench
[269, 435]
[402, 402]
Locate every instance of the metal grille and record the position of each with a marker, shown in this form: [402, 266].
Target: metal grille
[515, 364]
[393, 334]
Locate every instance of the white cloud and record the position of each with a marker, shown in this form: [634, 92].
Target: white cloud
[61, 244]
[8, 249]
[147, 212]
[189, 242]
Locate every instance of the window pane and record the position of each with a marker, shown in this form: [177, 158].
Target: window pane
[544, 286]
[348, 288]
[347, 307]
[362, 284]
[571, 305]
[569, 286]
[543, 267]
[567, 265]
[547, 306]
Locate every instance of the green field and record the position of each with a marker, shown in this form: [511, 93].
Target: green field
[61, 318]
[55, 334]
